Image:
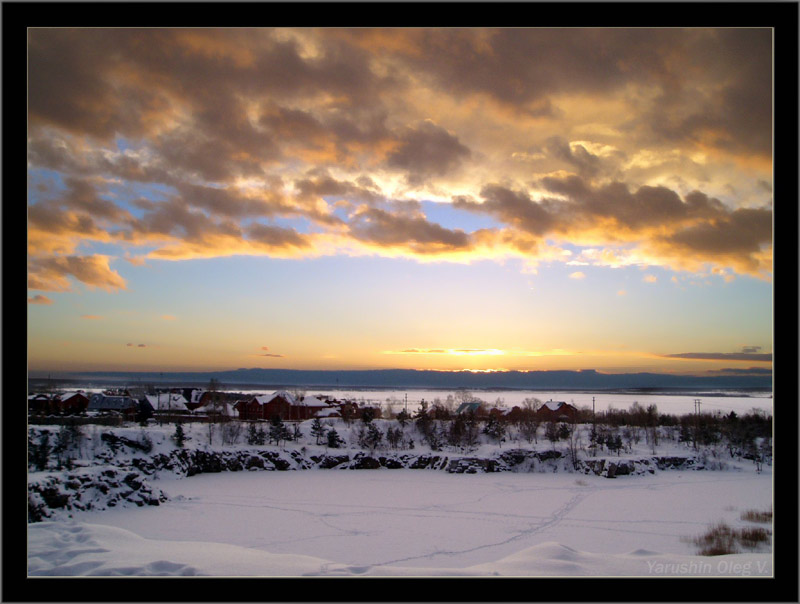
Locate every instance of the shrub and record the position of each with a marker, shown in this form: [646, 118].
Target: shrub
[719, 540]
[722, 539]
[757, 516]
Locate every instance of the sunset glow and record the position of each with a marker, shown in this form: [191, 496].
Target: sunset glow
[426, 198]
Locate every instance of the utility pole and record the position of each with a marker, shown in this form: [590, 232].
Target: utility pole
[406, 403]
[696, 420]
[594, 431]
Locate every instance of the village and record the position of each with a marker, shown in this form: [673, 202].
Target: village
[203, 405]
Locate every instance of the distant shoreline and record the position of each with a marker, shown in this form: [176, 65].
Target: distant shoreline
[110, 380]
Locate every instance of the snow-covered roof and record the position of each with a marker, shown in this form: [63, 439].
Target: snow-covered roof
[221, 408]
[40, 396]
[68, 395]
[166, 401]
[554, 405]
[263, 399]
[311, 401]
[328, 412]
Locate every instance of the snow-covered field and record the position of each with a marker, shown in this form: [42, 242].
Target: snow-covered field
[412, 523]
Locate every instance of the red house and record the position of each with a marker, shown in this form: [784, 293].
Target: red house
[71, 403]
[39, 404]
[266, 406]
[556, 411]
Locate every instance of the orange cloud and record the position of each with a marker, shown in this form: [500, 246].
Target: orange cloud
[50, 274]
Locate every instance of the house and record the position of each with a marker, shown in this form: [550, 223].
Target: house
[504, 414]
[515, 415]
[328, 413]
[39, 404]
[167, 402]
[266, 406]
[308, 407]
[122, 405]
[475, 407]
[376, 411]
[196, 398]
[71, 403]
[556, 411]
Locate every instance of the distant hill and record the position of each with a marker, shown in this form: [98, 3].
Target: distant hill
[410, 378]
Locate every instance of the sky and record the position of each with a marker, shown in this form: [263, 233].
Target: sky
[444, 198]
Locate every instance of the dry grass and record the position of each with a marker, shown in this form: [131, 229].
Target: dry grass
[757, 516]
[752, 537]
[723, 539]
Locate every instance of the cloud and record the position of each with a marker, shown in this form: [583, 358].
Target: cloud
[723, 356]
[449, 351]
[384, 228]
[577, 275]
[578, 157]
[307, 142]
[665, 228]
[748, 371]
[750, 349]
[650, 279]
[169, 317]
[39, 299]
[425, 150]
[92, 317]
[513, 207]
[50, 274]
[622, 292]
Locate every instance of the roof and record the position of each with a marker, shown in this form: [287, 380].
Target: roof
[464, 407]
[554, 405]
[263, 399]
[311, 401]
[39, 397]
[166, 401]
[103, 402]
[69, 395]
[196, 395]
[328, 412]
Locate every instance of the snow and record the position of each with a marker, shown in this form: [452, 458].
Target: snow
[405, 522]
[411, 523]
